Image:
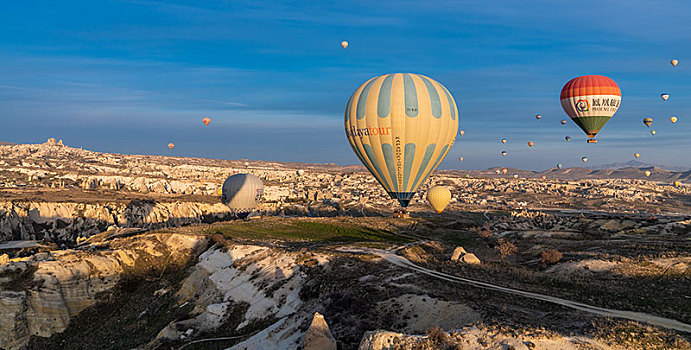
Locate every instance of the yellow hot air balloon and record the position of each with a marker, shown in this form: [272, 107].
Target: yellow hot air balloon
[439, 197]
[219, 191]
[171, 145]
[344, 44]
[673, 119]
[460, 160]
[530, 143]
[503, 153]
[677, 183]
[636, 155]
[674, 62]
[504, 170]
[401, 126]
[653, 132]
[648, 121]
[647, 173]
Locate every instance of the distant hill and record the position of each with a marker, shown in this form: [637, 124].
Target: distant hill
[6, 143]
[657, 173]
[636, 164]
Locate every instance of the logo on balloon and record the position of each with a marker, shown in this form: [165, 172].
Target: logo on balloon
[583, 105]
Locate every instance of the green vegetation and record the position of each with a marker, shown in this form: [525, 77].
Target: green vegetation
[301, 230]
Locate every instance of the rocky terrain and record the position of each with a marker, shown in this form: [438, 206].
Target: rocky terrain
[109, 251]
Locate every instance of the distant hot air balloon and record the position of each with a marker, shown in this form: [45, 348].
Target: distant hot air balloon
[563, 122]
[462, 132]
[559, 165]
[538, 117]
[648, 121]
[677, 183]
[460, 160]
[439, 197]
[543, 177]
[664, 96]
[503, 153]
[301, 172]
[171, 145]
[241, 193]
[674, 62]
[504, 170]
[344, 44]
[591, 101]
[636, 155]
[206, 121]
[515, 176]
[673, 119]
[401, 126]
[498, 171]
[647, 173]
[247, 164]
[503, 141]
[584, 159]
[653, 132]
[530, 143]
[567, 138]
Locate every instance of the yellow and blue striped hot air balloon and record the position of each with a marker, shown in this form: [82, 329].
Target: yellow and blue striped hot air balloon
[401, 126]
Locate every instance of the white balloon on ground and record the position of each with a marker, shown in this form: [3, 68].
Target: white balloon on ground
[241, 193]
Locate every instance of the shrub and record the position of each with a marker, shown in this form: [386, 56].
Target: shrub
[550, 256]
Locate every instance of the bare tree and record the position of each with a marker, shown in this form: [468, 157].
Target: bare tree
[505, 248]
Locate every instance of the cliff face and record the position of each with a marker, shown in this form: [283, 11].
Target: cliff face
[40, 294]
[67, 222]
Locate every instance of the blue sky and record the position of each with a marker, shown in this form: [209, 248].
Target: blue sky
[131, 76]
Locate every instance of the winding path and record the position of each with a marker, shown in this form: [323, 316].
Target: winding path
[392, 257]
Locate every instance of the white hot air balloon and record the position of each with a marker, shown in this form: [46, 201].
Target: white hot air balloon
[241, 193]
[301, 172]
[664, 96]
[584, 159]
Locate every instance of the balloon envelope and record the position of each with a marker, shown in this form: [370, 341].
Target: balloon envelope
[344, 44]
[648, 121]
[636, 155]
[664, 96]
[567, 138]
[171, 145]
[241, 193]
[503, 141]
[647, 173]
[439, 197]
[563, 122]
[653, 132]
[401, 126]
[503, 153]
[677, 183]
[673, 119]
[301, 172]
[559, 165]
[584, 159]
[206, 121]
[538, 117]
[590, 101]
[530, 143]
[462, 132]
[674, 62]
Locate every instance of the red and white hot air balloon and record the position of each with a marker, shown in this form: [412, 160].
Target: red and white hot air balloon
[590, 101]
[171, 145]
